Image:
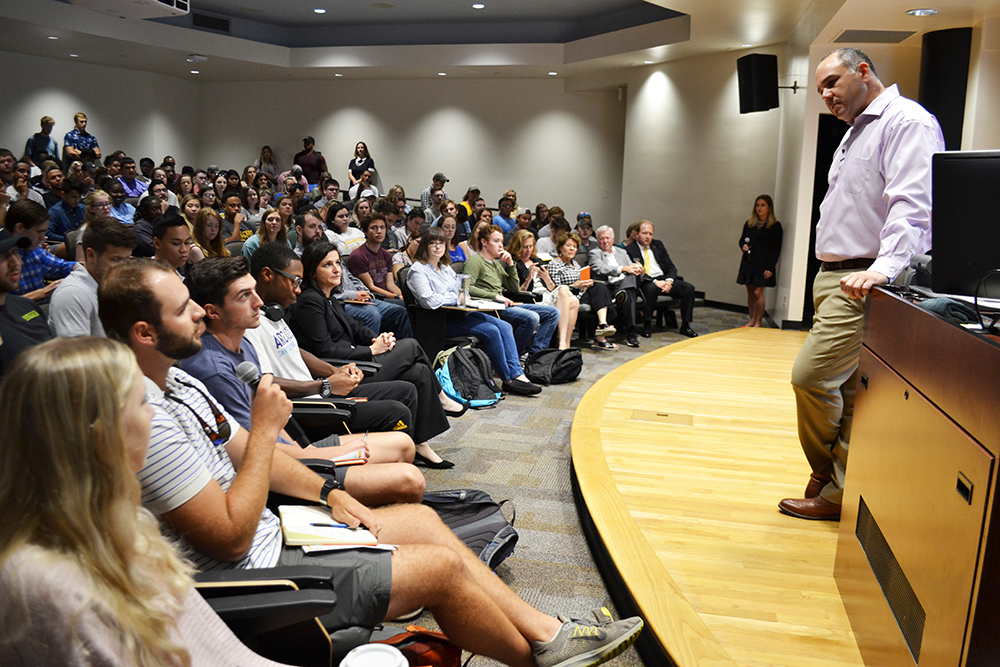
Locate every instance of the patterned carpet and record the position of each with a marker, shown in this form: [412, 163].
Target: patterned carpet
[520, 450]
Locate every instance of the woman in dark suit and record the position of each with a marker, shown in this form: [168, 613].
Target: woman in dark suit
[761, 246]
[323, 327]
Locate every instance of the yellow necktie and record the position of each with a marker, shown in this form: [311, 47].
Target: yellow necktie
[646, 264]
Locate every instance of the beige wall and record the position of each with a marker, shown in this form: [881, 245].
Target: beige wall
[139, 112]
[551, 146]
[694, 165]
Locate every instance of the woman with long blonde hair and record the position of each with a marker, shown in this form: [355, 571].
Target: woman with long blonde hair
[85, 576]
[760, 242]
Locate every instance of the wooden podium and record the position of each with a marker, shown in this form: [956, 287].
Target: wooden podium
[918, 555]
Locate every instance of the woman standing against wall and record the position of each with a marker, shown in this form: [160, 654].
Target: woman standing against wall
[761, 246]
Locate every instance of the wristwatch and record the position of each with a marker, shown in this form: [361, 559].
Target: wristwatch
[325, 390]
[328, 486]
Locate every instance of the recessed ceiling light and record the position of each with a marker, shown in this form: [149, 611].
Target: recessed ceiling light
[926, 11]
[479, 5]
[320, 10]
[338, 75]
[53, 37]
[442, 73]
[553, 73]
[73, 55]
[194, 71]
[648, 62]
[746, 46]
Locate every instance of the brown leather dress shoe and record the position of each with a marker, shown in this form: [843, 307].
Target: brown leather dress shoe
[818, 508]
[817, 480]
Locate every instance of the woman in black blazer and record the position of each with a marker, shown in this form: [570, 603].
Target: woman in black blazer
[323, 327]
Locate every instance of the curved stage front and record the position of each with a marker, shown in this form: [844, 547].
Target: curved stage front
[680, 458]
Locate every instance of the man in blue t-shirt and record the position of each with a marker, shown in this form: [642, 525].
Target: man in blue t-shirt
[503, 219]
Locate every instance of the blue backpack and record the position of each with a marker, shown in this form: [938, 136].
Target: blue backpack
[466, 375]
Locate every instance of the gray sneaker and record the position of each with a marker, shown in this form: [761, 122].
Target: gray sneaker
[583, 643]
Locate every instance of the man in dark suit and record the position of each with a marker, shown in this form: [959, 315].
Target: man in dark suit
[659, 277]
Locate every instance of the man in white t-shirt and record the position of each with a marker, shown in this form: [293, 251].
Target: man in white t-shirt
[219, 511]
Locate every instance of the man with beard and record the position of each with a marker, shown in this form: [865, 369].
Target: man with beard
[207, 479]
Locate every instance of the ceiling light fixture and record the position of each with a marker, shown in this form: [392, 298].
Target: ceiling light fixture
[479, 5]
[746, 46]
[194, 71]
[73, 55]
[553, 73]
[925, 11]
[442, 73]
[338, 75]
[53, 37]
[320, 10]
[647, 62]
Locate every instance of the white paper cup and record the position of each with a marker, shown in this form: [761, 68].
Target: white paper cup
[374, 655]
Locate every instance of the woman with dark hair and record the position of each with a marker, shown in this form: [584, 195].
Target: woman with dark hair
[190, 208]
[249, 176]
[541, 218]
[210, 200]
[86, 578]
[360, 163]
[322, 327]
[184, 186]
[760, 242]
[434, 284]
[221, 186]
[339, 230]
[251, 206]
[404, 258]
[565, 271]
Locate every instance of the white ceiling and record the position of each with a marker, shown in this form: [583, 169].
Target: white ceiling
[380, 48]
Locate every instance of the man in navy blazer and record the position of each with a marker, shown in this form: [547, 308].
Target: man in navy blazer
[659, 277]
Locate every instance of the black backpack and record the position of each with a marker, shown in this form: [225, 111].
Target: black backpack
[554, 366]
[478, 521]
[466, 376]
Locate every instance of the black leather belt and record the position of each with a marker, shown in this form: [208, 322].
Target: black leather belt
[848, 264]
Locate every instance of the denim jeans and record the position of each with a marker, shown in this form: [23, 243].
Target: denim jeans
[388, 314]
[527, 318]
[496, 338]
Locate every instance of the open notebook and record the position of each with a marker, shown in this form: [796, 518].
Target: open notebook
[304, 524]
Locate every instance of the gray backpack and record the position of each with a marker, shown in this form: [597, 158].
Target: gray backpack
[478, 521]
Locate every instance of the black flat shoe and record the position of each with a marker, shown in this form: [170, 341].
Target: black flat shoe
[421, 460]
[452, 413]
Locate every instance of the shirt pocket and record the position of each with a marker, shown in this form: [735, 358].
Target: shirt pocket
[855, 174]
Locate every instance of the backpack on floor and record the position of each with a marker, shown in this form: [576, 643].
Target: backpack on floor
[553, 366]
[466, 376]
[478, 521]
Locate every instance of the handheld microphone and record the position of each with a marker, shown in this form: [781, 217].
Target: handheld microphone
[249, 374]
[746, 241]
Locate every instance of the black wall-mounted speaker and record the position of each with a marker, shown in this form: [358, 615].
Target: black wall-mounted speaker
[758, 78]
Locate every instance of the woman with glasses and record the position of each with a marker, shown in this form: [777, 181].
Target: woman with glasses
[434, 284]
[86, 578]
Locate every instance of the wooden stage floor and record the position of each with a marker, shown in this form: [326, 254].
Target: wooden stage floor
[682, 456]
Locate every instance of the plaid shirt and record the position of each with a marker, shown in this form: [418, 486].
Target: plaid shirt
[563, 273]
[39, 264]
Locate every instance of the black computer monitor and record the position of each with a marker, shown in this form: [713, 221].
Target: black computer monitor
[965, 226]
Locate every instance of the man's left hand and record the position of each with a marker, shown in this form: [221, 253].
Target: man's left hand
[860, 283]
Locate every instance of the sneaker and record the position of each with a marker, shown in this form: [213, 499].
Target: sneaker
[583, 643]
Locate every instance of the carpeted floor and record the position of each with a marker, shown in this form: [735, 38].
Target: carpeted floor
[520, 450]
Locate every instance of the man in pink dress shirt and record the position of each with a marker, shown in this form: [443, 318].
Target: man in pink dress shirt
[875, 216]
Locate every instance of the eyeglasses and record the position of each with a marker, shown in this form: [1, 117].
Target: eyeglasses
[430, 243]
[106, 204]
[296, 281]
